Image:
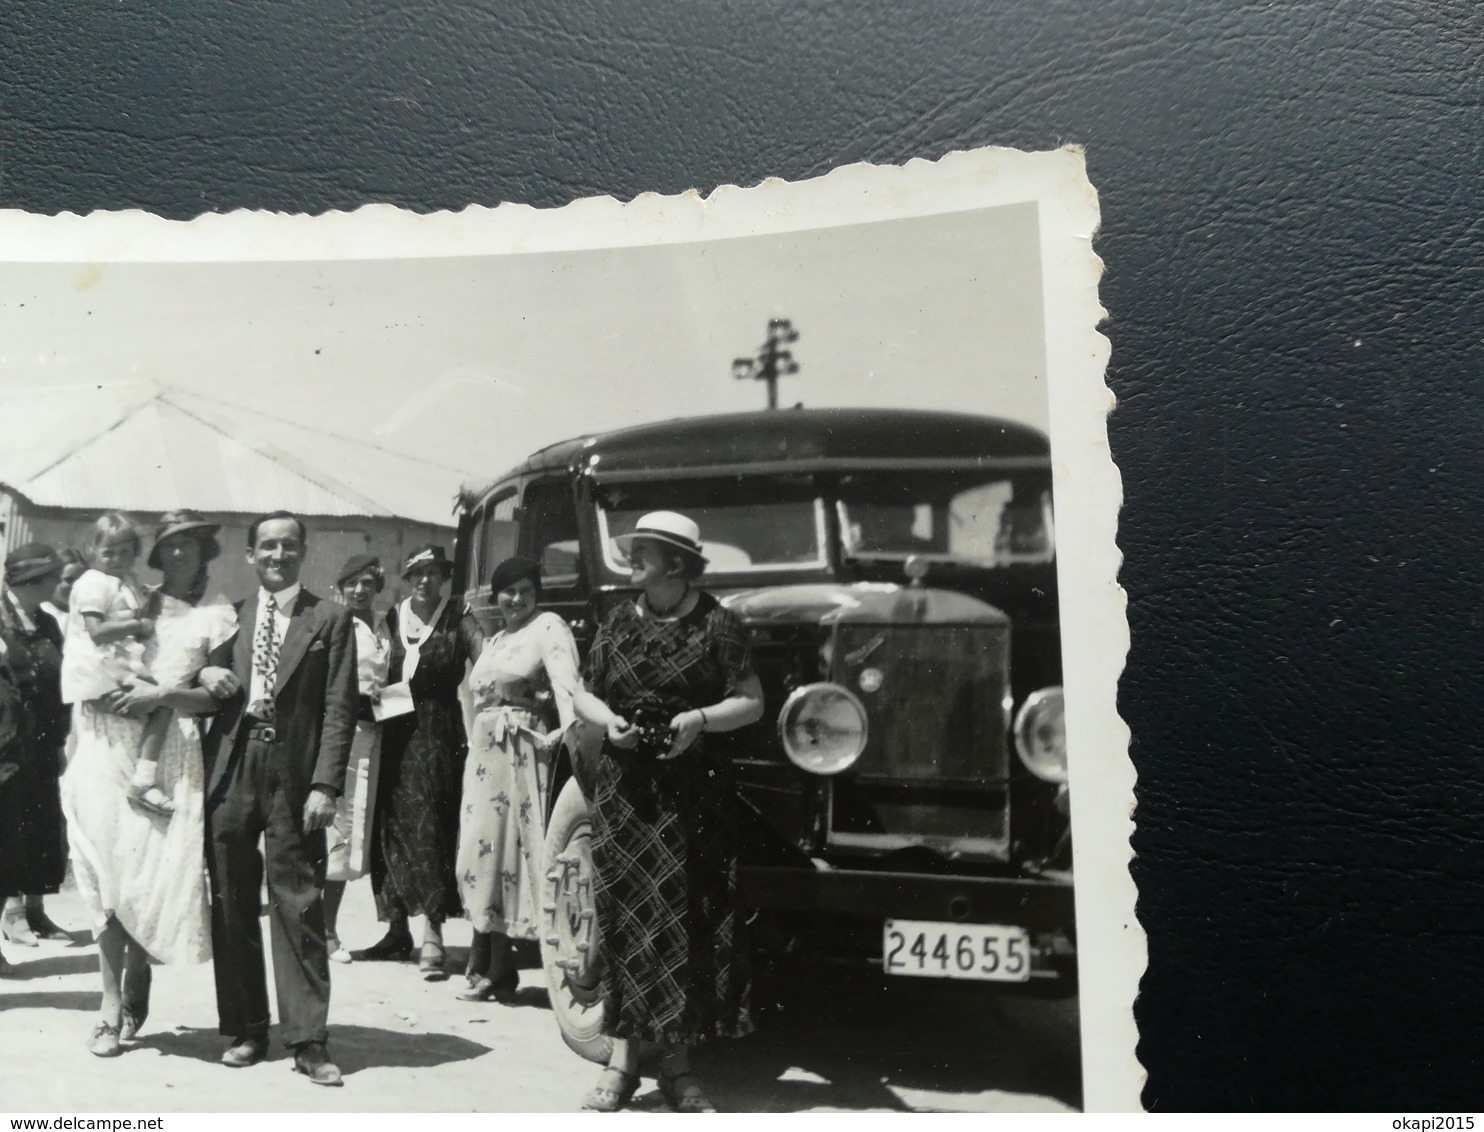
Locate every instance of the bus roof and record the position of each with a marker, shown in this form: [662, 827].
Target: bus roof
[784, 437]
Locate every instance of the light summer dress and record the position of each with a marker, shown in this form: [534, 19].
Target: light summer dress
[507, 772]
[147, 871]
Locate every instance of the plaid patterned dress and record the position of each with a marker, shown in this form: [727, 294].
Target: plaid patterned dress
[665, 834]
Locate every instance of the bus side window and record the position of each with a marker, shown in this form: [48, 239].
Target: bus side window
[497, 538]
[549, 522]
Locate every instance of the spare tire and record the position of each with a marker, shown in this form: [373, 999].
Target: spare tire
[571, 937]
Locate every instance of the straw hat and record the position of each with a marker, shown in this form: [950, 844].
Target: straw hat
[668, 527]
[184, 521]
[429, 554]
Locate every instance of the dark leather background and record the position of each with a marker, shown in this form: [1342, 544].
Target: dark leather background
[1292, 204]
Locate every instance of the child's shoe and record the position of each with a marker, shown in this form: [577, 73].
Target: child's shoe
[150, 799]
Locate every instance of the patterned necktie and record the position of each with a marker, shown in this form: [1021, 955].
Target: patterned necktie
[265, 655]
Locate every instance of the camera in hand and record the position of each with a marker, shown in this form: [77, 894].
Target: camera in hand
[655, 735]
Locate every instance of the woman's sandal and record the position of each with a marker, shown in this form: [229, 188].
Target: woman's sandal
[151, 800]
[604, 1099]
[486, 989]
[14, 927]
[694, 1101]
[482, 991]
[430, 962]
[479, 958]
[104, 1040]
[42, 927]
[506, 987]
[136, 1006]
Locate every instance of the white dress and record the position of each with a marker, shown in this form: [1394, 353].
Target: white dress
[148, 872]
[507, 770]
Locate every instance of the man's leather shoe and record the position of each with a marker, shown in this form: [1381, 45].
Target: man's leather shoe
[246, 1050]
[311, 1060]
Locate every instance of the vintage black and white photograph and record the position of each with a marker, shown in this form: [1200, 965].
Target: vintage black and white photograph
[654, 655]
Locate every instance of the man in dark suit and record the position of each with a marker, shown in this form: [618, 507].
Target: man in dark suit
[276, 757]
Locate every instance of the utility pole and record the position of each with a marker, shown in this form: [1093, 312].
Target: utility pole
[772, 360]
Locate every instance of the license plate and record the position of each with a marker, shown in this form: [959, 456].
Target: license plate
[992, 952]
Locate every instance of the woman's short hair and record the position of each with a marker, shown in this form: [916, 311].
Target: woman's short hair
[691, 566]
[358, 564]
[115, 526]
[515, 569]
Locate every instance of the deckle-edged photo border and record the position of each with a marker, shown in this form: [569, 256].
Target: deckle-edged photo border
[1087, 489]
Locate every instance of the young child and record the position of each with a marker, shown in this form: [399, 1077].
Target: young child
[108, 620]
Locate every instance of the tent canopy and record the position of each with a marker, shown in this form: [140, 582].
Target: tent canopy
[150, 449]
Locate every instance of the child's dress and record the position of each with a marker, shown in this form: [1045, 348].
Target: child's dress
[147, 871]
[91, 670]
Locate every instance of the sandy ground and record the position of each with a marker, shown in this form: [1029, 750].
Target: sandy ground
[408, 1045]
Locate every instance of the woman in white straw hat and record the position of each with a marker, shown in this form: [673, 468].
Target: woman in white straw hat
[664, 671]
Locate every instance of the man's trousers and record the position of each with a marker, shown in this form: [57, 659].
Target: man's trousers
[256, 803]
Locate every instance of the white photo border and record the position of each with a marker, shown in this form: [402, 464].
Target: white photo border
[1088, 490]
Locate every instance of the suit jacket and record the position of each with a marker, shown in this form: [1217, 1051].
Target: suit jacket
[314, 695]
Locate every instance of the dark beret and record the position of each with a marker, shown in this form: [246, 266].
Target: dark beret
[512, 570]
[357, 564]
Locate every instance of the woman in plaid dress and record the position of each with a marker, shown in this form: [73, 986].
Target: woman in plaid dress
[663, 671]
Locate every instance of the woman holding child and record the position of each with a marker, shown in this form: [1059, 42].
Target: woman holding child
[133, 790]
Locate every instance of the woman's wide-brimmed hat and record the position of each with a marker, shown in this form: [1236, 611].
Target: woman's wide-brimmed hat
[668, 527]
[181, 522]
[513, 570]
[31, 561]
[429, 554]
[358, 564]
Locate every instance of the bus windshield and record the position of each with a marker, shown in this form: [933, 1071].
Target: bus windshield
[748, 523]
[987, 518]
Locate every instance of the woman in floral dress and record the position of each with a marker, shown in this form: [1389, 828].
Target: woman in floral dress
[522, 685]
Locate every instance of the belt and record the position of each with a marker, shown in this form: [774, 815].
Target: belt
[530, 706]
[262, 732]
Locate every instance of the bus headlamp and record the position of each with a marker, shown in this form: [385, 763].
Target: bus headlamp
[823, 728]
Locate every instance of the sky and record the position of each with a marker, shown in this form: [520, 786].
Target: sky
[475, 361]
